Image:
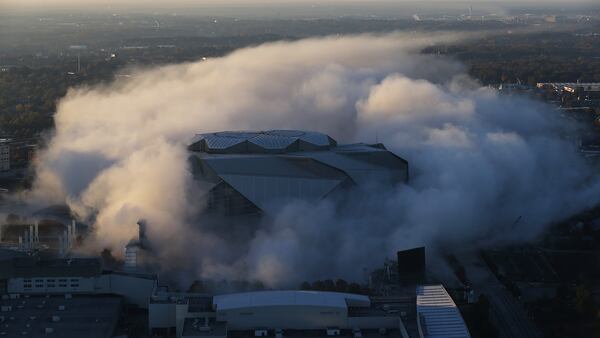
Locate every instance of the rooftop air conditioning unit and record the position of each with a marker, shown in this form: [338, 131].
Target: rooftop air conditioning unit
[61, 308]
[48, 330]
[55, 318]
[333, 332]
[6, 308]
[260, 333]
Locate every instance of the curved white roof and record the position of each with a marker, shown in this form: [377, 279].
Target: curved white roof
[289, 298]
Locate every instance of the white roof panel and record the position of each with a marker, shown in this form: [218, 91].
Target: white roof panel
[438, 315]
[289, 298]
[317, 139]
[267, 141]
[222, 142]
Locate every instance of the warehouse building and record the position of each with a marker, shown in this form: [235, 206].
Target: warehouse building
[256, 172]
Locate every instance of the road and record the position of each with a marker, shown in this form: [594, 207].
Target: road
[510, 315]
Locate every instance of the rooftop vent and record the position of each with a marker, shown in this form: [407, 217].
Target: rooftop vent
[333, 332]
[260, 333]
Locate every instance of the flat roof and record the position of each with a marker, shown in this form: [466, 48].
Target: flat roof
[194, 327]
[83, 316]
[289, 298]
[344, 333]
[32, 267]
[438, 316]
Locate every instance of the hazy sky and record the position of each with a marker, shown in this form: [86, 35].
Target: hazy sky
[164, 3]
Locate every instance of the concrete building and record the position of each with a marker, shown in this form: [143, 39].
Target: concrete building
[437, 314]
[4, 154]
[273, 313]
[256, 172]
[32, 275]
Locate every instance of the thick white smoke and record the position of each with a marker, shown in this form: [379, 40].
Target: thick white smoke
[478, 161]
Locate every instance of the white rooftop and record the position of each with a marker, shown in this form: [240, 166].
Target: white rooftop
[289, 298]
[438, 316]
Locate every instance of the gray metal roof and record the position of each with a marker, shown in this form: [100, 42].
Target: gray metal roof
[28, 267]
[272, 167]
[81, 316]
[270, 141]
[289, 298]
[438, 315]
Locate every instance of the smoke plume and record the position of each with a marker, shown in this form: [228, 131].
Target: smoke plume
[478, 161]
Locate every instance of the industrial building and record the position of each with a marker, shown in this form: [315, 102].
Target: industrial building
[47, 235]
[33, 275]
[256, 172]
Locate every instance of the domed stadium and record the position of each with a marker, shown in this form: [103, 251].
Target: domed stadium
[256, 172]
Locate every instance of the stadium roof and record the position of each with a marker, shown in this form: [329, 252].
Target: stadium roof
[270, 141]
[291, 165]
[289, 298]
[438, 316]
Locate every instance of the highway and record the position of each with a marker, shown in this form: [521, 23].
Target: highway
[510, 315]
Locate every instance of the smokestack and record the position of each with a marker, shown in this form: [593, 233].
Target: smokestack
[31, 234]
[20, 243]
[37, 232]
[142, 231]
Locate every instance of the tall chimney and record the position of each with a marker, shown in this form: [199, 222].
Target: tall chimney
[142, 230]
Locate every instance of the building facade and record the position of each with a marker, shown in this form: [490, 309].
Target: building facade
[4, 154]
